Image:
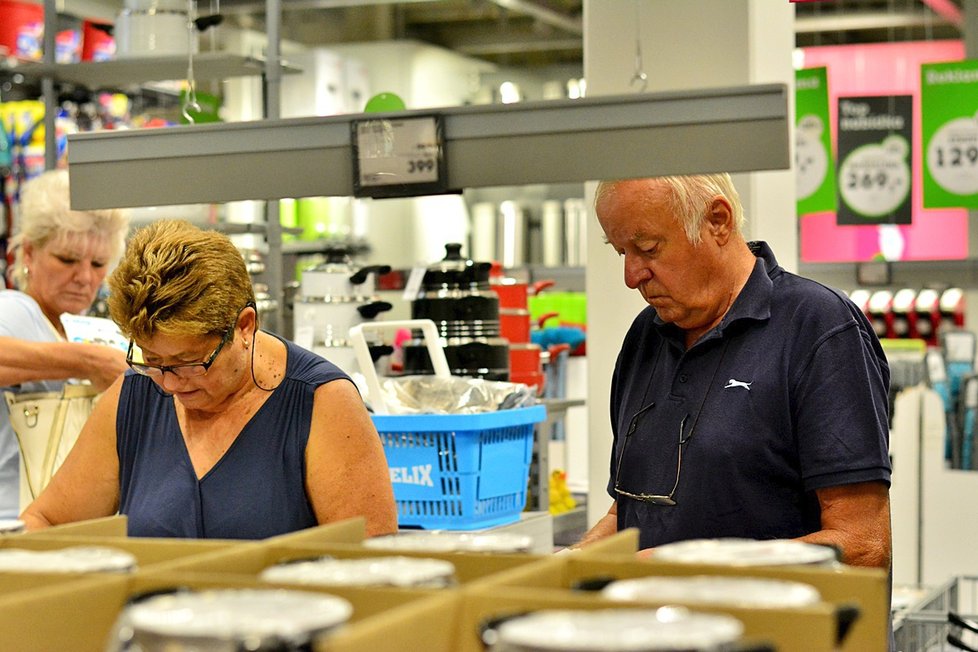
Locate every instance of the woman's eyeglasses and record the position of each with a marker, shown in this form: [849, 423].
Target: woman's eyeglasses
[190, 370]
[655, 499]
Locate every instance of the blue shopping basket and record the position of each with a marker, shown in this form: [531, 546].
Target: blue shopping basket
[452, 471]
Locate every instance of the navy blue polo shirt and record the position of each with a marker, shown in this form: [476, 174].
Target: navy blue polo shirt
[788, 394]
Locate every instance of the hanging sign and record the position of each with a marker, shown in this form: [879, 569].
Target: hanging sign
[814, 168]
[875, 162]
[949, 115]
[398, 157]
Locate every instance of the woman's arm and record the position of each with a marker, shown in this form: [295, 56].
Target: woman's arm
[346, 471]
[25, 361]
[87, 484]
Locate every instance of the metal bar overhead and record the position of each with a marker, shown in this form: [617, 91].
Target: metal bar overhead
[607, 137]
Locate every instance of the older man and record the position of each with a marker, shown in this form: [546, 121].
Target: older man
[746, 401]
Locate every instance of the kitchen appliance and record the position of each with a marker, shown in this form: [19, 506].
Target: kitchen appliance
[334, 296]
[952, 307]
[881, 313]
[228, 620]
[159, 28]
[904, 314]
[927, 307]
[456, 295]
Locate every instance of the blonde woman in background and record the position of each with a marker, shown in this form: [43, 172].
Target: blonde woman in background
[220, 430]
[61, 258]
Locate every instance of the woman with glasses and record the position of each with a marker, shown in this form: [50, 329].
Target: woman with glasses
[61, 257]
[220, 430]
[746, 401]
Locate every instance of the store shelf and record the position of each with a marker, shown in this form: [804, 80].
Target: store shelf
[729, 129]
[120, 73]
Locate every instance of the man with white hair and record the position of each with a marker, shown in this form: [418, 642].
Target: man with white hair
[746, 401]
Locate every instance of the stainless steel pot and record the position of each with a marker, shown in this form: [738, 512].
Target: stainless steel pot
[331, 319]
[666, 629]
[228, 620]
[337, 276]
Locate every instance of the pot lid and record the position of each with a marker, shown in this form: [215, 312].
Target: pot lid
[364, 571]
[752, 592]
[236, 614]
[337, 260]
[73, 559]
[455, 271]
[621, 630]
[435, 541]
[10, 525]
[745, 552]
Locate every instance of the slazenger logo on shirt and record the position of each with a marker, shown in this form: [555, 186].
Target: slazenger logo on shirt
[420, 475]
[738, 383]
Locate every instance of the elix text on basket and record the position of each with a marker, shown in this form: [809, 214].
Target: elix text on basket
[419, 474]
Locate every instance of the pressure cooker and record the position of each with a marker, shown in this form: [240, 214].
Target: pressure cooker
[455, 294]
[334, 296]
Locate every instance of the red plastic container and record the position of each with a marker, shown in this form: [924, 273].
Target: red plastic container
[22, 29]
[97, 42]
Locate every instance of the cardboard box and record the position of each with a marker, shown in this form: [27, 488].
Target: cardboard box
[250, 562]
[839, 586]
[457, 627]
[108, 526]
[149, 553]
[620, 543]
[80, 616]
[351, 530]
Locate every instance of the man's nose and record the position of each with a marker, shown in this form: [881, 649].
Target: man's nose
[636, 271]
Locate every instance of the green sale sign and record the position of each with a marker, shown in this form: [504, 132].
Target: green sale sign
[949, 116]
[814, 167]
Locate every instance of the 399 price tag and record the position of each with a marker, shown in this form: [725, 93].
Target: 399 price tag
[398, 157]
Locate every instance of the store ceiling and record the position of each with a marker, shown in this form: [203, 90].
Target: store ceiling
[536, 33]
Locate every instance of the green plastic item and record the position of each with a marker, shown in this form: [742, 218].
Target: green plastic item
[384, 103]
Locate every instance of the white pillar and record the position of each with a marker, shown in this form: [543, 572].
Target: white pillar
[684, 45]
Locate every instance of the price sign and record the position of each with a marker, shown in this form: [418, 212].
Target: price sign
[398, 157]
[874, 180]
[952, 156]
[875, 160]
[949, 119]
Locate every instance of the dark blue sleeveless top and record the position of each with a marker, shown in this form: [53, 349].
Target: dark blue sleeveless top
[255, 491]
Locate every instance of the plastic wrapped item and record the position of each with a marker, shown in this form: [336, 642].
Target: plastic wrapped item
[453, 395]
[365, 571]
[73, 559]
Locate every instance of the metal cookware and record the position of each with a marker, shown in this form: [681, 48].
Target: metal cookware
[228, 620]
[666, 629]
[455, 294]
[364, 571]
[334, 296]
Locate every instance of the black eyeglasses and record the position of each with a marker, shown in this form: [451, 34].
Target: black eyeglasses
[190, 370]
[667, 500]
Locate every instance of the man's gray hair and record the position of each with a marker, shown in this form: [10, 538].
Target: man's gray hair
[691, 197]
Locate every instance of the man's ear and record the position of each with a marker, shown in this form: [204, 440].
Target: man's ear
[720, 220]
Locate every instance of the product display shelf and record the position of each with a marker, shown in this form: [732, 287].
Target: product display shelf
[121, 73]
[733, 129]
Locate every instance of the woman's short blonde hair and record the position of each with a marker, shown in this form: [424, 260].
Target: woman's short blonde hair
[178, 279]
[44, 214]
